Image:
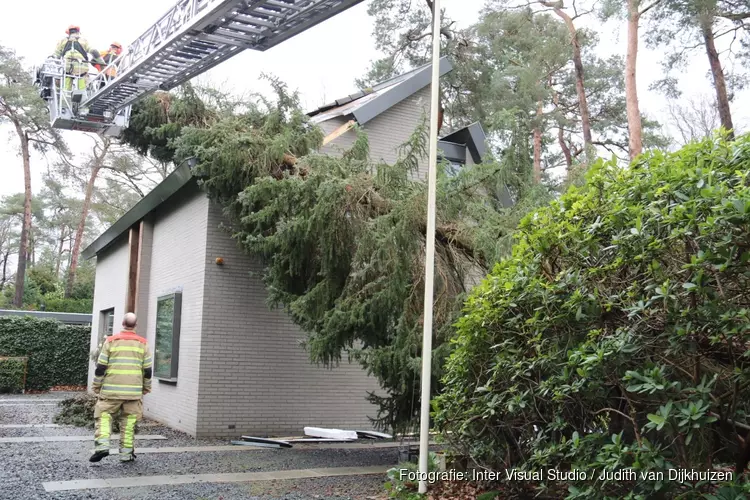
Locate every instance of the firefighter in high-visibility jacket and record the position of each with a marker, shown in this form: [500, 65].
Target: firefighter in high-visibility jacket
[122, 377]
[108, 56]
[74, 51]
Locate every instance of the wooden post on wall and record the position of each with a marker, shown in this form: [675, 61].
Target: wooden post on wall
[134, 242]
[139, 265]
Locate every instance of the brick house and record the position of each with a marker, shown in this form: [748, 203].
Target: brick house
[233, 365]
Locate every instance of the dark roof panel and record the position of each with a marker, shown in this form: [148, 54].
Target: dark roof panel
[389, 93]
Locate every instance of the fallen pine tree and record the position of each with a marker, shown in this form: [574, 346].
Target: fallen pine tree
[343, 238]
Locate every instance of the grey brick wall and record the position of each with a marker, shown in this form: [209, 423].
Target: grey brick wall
[254, 375]
[387, 131]
[178, 249]
[110, 288]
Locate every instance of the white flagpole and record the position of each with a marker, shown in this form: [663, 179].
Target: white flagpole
[424, 431]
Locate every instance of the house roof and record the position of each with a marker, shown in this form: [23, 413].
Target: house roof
[369, 103]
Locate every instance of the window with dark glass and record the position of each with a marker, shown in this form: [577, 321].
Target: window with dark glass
[167, 342]
[106, 323]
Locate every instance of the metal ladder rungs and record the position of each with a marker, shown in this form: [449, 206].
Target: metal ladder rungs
[252, 20]
[282, 5]
[196, 35]
[245, 27]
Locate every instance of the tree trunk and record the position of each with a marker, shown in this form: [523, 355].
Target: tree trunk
[81, 226]
[635, 127]
[561, 134]
[5, 270]
[580, 83]
[722, 100]
[538, 145]
[565, 149]
[60, 253]
[26, 226]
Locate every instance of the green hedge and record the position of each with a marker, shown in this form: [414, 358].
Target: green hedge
[82, 306]
[12, 372]
[617, 334]
[58, 353]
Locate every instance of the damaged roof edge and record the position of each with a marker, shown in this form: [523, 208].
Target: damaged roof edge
[474, 137]
[393, 81]
[165, 189]
[478, 146]
[400, 91]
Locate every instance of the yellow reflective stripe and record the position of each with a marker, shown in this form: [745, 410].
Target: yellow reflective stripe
[125, 358]
[124, 372]
[122, 385]
[129, 431]
[105, 427]
[126, 348]
[124, 363]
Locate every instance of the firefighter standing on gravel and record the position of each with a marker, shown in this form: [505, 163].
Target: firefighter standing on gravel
[123, 375]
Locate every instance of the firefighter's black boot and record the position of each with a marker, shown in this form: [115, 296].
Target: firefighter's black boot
[98, 455]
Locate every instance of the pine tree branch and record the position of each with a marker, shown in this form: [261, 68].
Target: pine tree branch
[734, 17]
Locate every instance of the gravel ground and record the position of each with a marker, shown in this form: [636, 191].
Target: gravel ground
[45, 395]
[25, 466]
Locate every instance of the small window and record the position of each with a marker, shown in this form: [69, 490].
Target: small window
[167, 344]
[106, 323]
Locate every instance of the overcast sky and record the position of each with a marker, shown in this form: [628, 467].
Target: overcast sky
[321, 63]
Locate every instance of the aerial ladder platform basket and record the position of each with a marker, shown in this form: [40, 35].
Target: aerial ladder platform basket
[191, 38]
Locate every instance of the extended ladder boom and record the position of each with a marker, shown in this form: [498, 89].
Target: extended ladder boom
[196, 35]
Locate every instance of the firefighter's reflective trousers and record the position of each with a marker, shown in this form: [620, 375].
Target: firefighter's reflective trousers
[132, 411]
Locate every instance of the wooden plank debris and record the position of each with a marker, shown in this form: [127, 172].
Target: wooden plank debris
[319, 440]
[339, 132]
[373, 435]
[276, 442]
[259, 444]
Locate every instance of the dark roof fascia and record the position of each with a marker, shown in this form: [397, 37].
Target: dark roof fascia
[453, 151]
[478, 143]
[67, 318]
[365, 92]
[473, 137]
[163, 191]
[419, 80]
